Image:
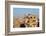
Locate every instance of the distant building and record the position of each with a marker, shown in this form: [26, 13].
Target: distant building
[30, 20]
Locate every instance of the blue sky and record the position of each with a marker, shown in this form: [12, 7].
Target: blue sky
[19, 12]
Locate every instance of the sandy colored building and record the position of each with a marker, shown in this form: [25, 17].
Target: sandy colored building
[30, 21]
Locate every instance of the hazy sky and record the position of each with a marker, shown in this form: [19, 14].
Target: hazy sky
[19, 12]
